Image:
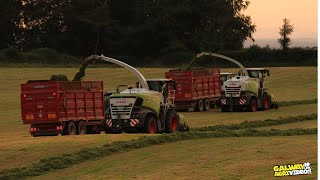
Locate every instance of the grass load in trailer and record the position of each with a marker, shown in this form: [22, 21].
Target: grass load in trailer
[62, 107]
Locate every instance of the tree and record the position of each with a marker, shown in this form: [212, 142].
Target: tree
[136, 29]
[9, 22]
[285, 30]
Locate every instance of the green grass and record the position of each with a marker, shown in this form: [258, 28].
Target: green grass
[218, 158]
[259, 123]
[215, 117]
[19, 151]
[18, 148]
[46, 165]
[303, 124]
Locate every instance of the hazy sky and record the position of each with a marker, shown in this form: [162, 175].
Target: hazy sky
[268, 15]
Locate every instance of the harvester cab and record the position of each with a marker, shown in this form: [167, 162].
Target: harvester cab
[260, 75]
[224, 76]
[166, 89]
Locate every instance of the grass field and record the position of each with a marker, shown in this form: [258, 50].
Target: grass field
[19, 149]
[221, 158]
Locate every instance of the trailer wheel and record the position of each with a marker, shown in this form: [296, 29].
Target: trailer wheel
[206, 106]
[199, 106]
[253, 105]
[150, 125]
[172, 121]
[70, 128]
[81, 127]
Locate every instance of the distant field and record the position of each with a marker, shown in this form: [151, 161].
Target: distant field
[19, 149]
[218, 158]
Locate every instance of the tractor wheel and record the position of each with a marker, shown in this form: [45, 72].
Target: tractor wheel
[266, 103]
[70, 128]
[253, 105]
[225, 109]
[172, 121]
[81, 127]
[206, 106]
[199, 106]
[150, 125]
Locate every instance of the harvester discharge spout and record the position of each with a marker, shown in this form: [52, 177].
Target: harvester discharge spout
[193, 61]
[92, 58]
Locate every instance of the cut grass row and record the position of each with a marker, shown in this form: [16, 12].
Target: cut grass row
[297, 102]
[66, 160]
[216, 117]
[301, 124]
[19, 149]
[260, 123]
[212, 158]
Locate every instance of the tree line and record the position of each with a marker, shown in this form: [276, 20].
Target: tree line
[127, 29]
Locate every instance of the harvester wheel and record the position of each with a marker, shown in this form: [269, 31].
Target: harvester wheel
[70, 128]
[81, 127]
[172, 121]
[206, 106]
[199, 106]
[150, 125]
[266, 103]
[253, 105]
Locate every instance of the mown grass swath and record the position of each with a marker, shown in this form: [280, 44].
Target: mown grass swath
[298, 102]
[67, 160]
[260, 123]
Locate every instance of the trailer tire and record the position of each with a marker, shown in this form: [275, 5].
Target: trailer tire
[150, 126]
[70, 128]
[172, 121]
[199, 105]
[253, 105]
[206, 106]
[81, 127]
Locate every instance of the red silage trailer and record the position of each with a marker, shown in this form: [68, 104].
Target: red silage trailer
[196, 89]
[54, 107]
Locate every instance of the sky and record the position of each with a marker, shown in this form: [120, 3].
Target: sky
[268, 16]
